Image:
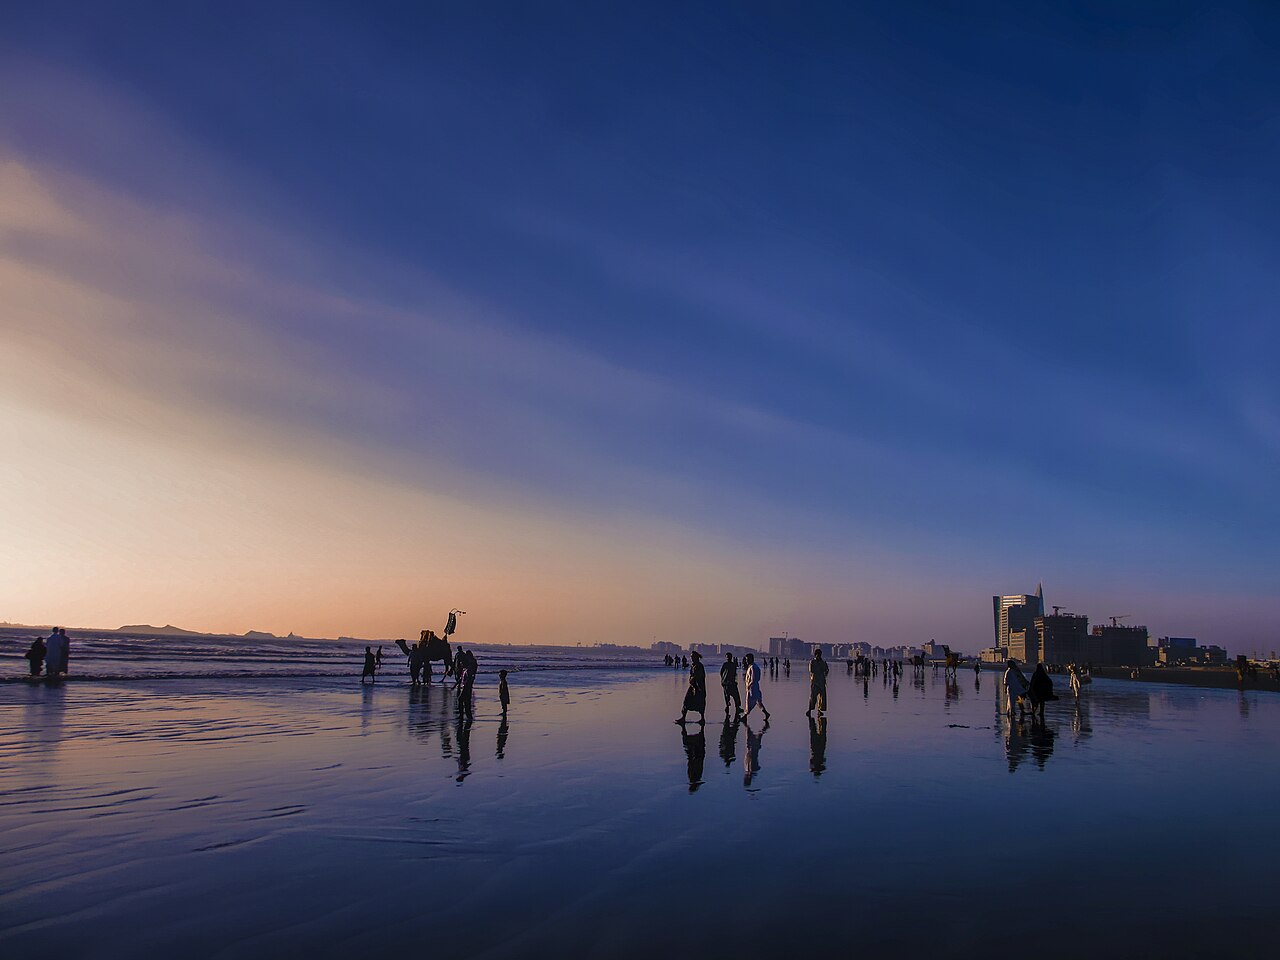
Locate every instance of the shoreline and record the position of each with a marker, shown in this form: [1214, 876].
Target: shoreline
[1210, 677]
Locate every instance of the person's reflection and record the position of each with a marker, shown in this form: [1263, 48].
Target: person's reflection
[421, 723]
[503, 729]
[1244, 706]
[366, 708]
[1041, 743]
[751, 754]
[44, 716]
[895, 689]
[464, 747]
[1015, 743]
[695, 751]
[818, 744]
[1081, 728]
[866, 688]
[729, 740]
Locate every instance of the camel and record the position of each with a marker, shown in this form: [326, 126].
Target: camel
[953, 663]
[433, 647]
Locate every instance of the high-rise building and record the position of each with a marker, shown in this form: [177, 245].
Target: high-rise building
[1064, 638]
[1016, 613]
[777, 646]
[1121, 646]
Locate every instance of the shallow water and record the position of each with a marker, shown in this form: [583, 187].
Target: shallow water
[240, 818]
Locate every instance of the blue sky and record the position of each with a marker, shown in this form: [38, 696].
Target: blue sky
[982, 294]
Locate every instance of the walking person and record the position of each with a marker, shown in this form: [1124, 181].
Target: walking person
[818, 671]
[370, 666]
[751, 676]
[35, 656]
[729, 683]
[1015, 687]
[378, 656]
[695, 698]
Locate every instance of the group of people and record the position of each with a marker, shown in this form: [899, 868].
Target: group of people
[52, 657]
[1022, 692]
[463, 668]
[695, 698]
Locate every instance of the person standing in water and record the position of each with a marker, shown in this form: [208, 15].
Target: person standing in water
[370, 666]
[695, 698]
[729, 682]
[35, 656]
[818, 670]
[751, 675]
[504, 694]
[57, 654]
[378, 657]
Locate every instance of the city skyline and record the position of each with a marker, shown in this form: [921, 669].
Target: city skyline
[830, 331]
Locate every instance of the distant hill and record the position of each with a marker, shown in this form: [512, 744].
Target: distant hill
[169, 630]
[259, 635]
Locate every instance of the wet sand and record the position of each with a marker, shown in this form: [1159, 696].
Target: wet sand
[246, 818]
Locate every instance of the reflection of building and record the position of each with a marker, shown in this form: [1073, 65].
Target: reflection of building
[1016, 614]
[1064, 638]
[1121, 646]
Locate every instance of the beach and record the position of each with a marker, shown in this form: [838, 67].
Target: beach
[245, 817]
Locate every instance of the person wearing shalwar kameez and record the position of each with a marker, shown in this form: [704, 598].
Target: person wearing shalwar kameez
[695, 698]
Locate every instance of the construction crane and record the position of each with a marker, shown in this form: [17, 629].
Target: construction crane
[1115, 621]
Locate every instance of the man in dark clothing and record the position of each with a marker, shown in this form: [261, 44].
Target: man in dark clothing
[729, 682]
[817, 683]
[370, 666]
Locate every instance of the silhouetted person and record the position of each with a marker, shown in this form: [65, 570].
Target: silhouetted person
[504, 694]
[378, 656]
[416, 661]
[57, 656]
[751, 677]
[695, 749]
[1040, 691]
[729, 683]
[818, 671]
[817, 745]
[370, 666]
[695, 698]
[35, 656]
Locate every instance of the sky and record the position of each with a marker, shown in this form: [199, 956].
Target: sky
[689, 322]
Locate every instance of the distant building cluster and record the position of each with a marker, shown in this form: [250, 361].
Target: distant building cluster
[1024, 632]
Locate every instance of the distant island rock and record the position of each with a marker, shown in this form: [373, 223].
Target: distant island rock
[259, 635]
[168, 630]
